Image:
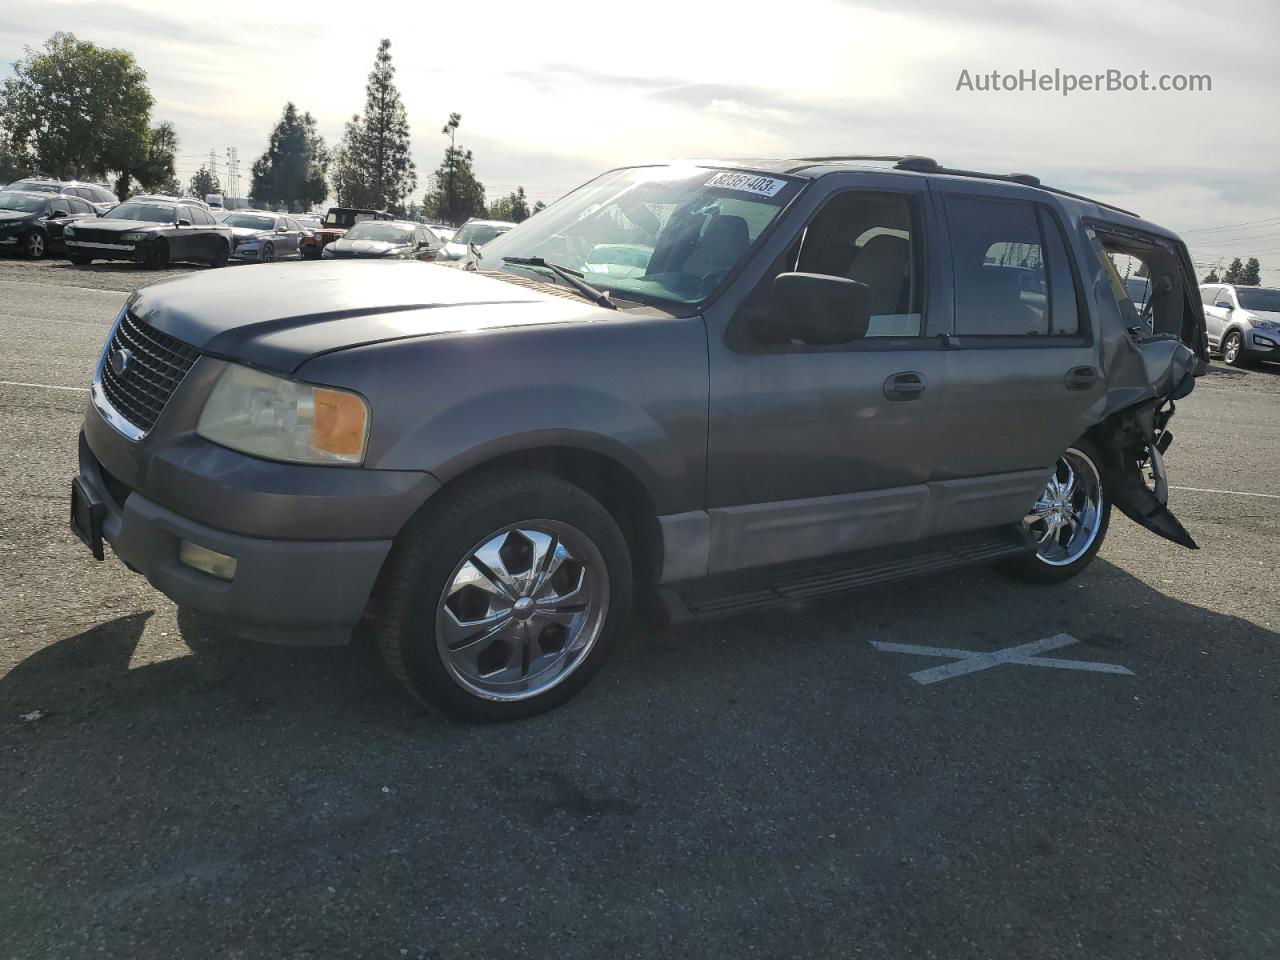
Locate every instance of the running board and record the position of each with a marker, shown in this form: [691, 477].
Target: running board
[733, 593]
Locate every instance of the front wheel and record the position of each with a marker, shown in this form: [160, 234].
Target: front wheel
[157, 255]
[35, 245]
[268, 253]
[504, 598]
[220, 255]
[1233, 349]
[1068, 521]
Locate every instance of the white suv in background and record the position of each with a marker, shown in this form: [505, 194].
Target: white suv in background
[1242, 323]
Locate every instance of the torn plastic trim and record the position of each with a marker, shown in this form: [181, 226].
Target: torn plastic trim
[1133, 442]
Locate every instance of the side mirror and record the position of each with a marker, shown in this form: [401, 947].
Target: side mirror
[55, 214]
[816, 309]
[182, 222]
[1224, 305]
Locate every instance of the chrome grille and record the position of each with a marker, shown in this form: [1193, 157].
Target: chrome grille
[157, 364]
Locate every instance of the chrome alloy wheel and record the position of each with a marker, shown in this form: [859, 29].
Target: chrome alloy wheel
[1231, 348]
[35, 245]
[523, 610]
[1065, 519]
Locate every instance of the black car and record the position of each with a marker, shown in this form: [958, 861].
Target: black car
[33, 223]
[385, 240]
[151, 232]
[97, 195]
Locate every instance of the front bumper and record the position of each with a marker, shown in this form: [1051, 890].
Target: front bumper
[308, 541]
[1262, 344]
[106, 251]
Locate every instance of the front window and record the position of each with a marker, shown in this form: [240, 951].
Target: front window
[20, 202]
[386, 232]
[480, 233]
[250, 221]
[666, 234]
[150, 212]
[1259, 298]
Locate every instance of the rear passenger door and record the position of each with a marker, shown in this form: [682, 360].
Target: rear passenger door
[1022, 365]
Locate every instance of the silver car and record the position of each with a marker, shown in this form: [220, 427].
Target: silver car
[263, 237]
[1242, 323]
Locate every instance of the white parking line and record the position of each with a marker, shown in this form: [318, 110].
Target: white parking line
[42, 386]
[1228, 493]
[1023, 655]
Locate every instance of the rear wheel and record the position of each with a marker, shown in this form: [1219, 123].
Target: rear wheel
[1068, 521]
[157, 255]
[1233, 349]
[35, 245]
[503, 599]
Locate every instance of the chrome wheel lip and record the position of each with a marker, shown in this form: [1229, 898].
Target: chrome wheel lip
[1066, 518]
[531, 611]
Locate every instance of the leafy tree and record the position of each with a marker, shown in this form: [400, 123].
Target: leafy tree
[294, 168]
[1251, 275]
[537, 208]
[205, 182]
[76, 109]
[1233, 272]
[152, 166]
[11, 165]
[514, 207]
[1211, 276]
[454, 194]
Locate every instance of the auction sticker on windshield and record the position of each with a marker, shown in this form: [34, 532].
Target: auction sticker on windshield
[747, 183]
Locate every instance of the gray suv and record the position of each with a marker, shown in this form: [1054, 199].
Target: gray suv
[1242, 323]
[715, 386]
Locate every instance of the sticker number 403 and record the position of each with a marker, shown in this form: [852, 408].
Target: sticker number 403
[747, 183]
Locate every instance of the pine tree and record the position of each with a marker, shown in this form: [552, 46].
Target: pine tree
[294, 167]
[1251, 275]
[350, 187]
[1233, 272]
[1211, 276]
[455, 194]
[205, 182]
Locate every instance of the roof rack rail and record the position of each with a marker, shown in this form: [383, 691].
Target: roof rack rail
[917, 164]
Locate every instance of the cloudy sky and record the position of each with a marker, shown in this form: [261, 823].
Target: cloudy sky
[553, 92]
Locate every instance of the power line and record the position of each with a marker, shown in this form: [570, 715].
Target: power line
[1230, 226]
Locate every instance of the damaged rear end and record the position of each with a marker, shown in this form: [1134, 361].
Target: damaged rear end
[1153, 353]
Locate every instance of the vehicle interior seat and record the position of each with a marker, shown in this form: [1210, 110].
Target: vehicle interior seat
[723, 243]
[884, 265]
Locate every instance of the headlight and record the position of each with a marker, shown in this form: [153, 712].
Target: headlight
[1265, 324]
[279, 419]
[327, 252]
[133, 237]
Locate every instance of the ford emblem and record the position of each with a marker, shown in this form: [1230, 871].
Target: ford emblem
[120, 358]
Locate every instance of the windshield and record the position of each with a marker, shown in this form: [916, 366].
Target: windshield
[35, 185]
[1259, 298]
[140, 211]
[480, 233]
[374, 230]
[21, 202]
[344, 218]
[653, 233]
[250, 221]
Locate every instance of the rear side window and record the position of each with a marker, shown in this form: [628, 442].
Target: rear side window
[1013, 275]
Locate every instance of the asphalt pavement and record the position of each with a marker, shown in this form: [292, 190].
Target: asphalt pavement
[771, 786]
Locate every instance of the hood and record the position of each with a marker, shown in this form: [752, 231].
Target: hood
[1270, 315]
[453, 251]
[7, 216]
[117, 226]
[279, 316]
[248, 233]
[366, 248]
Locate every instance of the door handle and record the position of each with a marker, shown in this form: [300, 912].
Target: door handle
[909, 385]
[1081, 378]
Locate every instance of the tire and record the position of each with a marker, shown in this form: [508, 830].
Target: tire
[1053, 561]
[1233, 349]
[35, 245]
[80, 260]
[445, 620]
[220, 256]
[268, 253]
[157, 255]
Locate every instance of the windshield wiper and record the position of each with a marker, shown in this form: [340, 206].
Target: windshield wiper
[572, 277]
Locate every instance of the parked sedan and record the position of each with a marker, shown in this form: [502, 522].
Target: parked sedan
[33, 223]
[150, 232]
[262, 237]
[97, 195]
[386, 240]
[478, 232]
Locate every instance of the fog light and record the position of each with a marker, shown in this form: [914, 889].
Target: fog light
[207, 561]
[1263, 341]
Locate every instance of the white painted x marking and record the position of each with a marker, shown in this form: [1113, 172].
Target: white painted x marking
[1023, 655]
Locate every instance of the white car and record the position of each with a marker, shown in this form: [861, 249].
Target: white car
[1242, 323]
